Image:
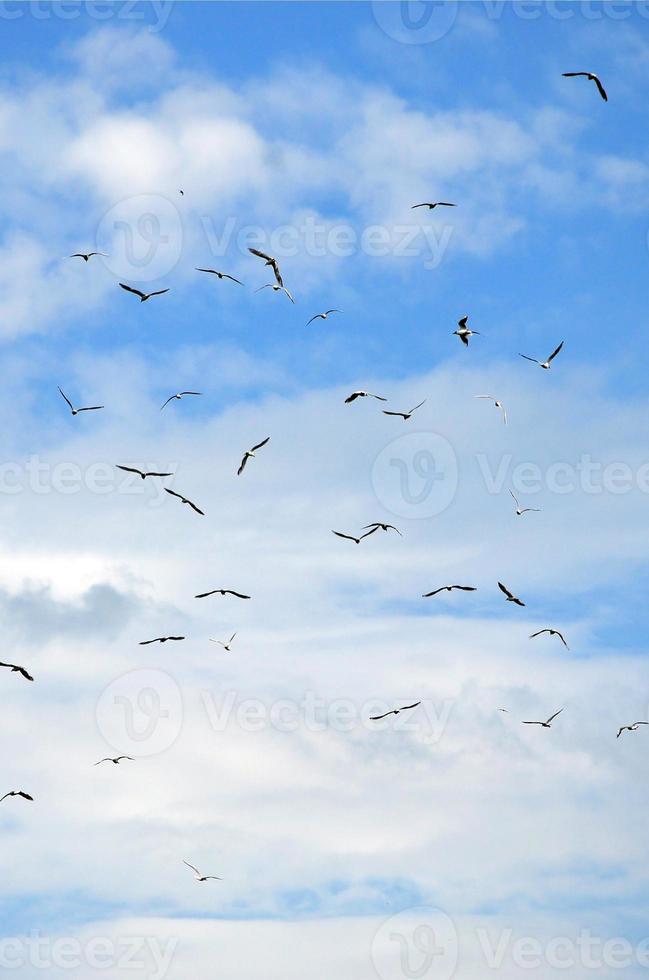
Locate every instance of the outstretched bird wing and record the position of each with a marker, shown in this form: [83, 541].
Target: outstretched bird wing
[130, 289]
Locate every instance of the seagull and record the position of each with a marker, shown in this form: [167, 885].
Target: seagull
[75, 411]
[220, 275]
[405, 415]
[116, 761]
[223, 643]
[143, 296]
[179, 396]
[363, 394]
[552, 633]
[86, 255]
[395, 711]
[523, 510]
[199, 876]
[276, 289]
[18, 792]
[544, 364]
[182, 193]
[142, 473]
[15, 669]
[632, 728]
[322, 316]
[350, 537]
[431, 205]
[510, 596]
[544, 724]
[449, 588]
[383, 527]
[498, 404]
[464, 332]
[250, 455]
[269, 260]
[591, 78]
[184, 500]
[160, 639]
[204, 595]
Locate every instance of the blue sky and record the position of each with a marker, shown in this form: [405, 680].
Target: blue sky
[281, 122]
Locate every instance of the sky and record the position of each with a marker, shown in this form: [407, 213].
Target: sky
[448, 841]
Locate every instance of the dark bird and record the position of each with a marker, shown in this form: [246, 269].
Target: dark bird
[199, 876]
[18, 792]
[86, 255]
[464, 332]
[363, 394]
[322, 316]
[142, 473]
[116, 761]
[143, 296]
[378, 525]
[75, 411]
[552, 633]
[523, 510]
[182, 193]
[632, 728]
[449, 588]
[272, 262]
[204, 595]
[405, 415]
[591, 78]
[395, 711]
[350, 537]
[250, 454]
[544, 364]
[431, 205]
[160, 639]
[15, 669]
[510, 596]
[220, 275]
[184, 500]
[180, 395]
[276, 289]
[544, 724]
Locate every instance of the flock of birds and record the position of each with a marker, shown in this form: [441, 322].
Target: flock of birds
[463, 332]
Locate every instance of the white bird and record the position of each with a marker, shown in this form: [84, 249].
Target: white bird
[591, 77]
[405, 415]
[75, 411]
[226, 644]
[498, 404]
[272, 262]
[523, 510]
[199, 876]
[250, 454]
[276, 289]
[322, 316]
[545, 724]
[180, 395]
[544, 364]
[464, 332]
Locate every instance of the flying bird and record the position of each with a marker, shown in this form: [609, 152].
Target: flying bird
[350, 537]
[160, 639]
[86, 255]
[75, 411]
[544, 724]
[322, 316]
[18, 792]
[449, 588]
[544, 364]
[116, 761]
[220, 275]
[276, 289]
[178, 396]
[250, 454]
[395, 711]
[552, 632]
[591, 78]
[431, 205]
[497, 404]
[363, 394]
[272, 262]
[464, 332]
[184, 500]
[405, 415]
[15, 669]
[143, 296]
[226, 644]
[142, 473]
[510, 596]
[199, 876]
[204, 595]
[632, 728]
[523, 510]
[383, 527]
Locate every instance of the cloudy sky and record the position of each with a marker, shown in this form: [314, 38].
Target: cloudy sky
[453, 841]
